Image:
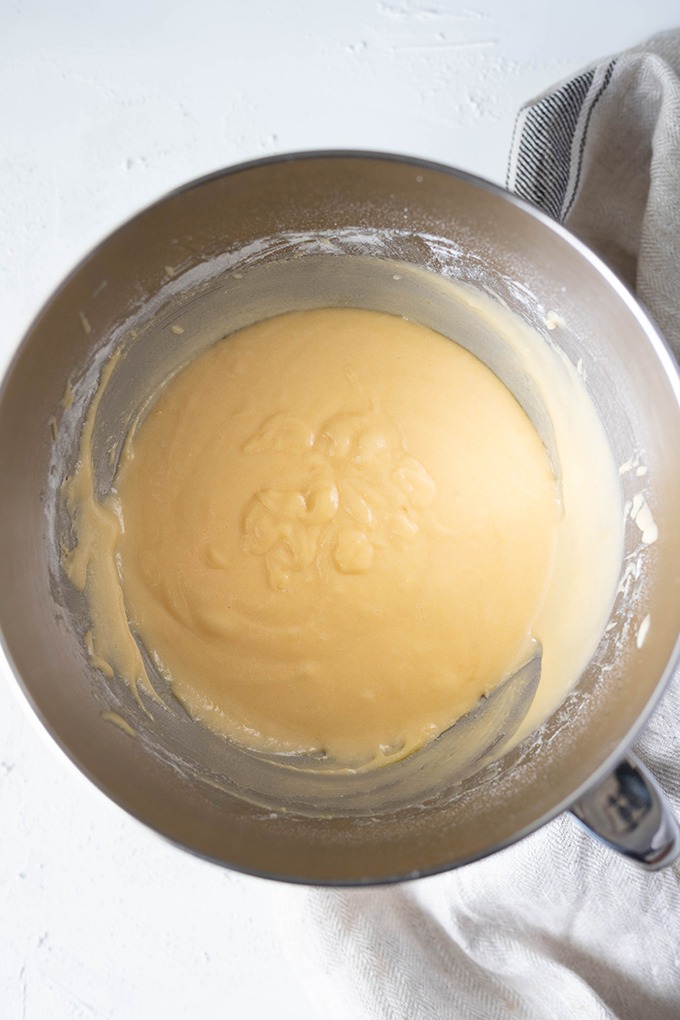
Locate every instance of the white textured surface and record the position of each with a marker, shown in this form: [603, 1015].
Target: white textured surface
[106, 107]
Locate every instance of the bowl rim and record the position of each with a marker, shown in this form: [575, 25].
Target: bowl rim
[659, 343]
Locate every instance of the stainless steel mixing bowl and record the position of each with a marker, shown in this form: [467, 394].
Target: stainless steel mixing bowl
[355, 229]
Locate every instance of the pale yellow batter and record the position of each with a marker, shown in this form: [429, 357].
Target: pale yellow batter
[334, 530]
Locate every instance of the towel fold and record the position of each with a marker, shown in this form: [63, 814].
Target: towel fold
[601, 154]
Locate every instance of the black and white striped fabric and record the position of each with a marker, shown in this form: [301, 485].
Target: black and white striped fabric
[549, 142]
[557, 926]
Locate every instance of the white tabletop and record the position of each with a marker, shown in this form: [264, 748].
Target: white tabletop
[106, 107]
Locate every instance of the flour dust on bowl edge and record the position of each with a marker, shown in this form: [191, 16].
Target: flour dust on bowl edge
[303, 231]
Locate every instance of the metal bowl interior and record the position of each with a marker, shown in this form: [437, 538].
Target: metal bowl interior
[304, 231]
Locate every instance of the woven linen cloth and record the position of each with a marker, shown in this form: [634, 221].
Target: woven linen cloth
[557, 926]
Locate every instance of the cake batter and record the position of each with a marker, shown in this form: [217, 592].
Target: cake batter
[333, 532]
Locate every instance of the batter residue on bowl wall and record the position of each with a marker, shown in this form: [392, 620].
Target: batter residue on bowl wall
[335, 530]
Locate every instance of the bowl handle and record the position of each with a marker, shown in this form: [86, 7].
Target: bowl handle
[629, 812]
